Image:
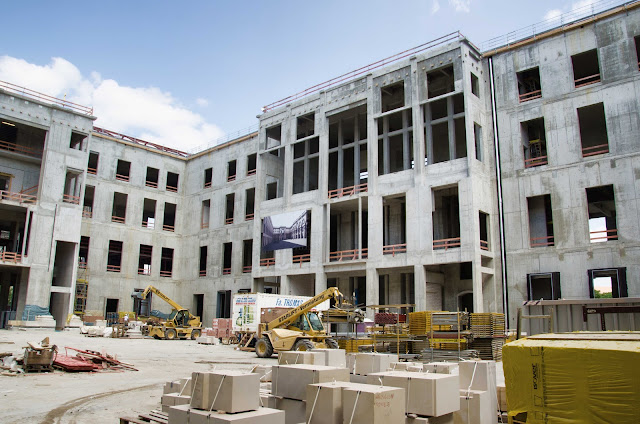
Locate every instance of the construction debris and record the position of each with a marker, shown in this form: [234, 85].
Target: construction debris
[97, 360]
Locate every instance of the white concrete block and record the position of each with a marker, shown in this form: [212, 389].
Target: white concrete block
[290, 381]
[475, 407]
[367, 363]
[334, 357]
[373, 405]
[228, 391]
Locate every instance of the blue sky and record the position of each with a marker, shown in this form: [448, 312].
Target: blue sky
[184, 73]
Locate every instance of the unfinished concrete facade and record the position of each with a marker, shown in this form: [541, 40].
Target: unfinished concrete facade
[395, 170]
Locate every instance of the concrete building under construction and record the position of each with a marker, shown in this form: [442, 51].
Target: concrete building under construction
[449, 178]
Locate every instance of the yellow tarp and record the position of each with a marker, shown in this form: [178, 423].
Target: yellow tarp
[573, 380]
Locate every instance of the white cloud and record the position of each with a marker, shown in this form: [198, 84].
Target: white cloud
[202, 102]
[435, 6]
[144, 112]
[552, 14]
[461, 5]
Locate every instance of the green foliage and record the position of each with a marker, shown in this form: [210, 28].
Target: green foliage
[600, 295]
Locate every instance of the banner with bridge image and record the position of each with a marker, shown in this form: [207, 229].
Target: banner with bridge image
[284, 231]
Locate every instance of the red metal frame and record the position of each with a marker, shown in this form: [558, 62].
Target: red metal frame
[300, 259]
[249, 217]
[267, 262]
[226, 271]
[546, 241]
[68, 198]
[348, 255]
[246, 269]
[114, 268]
[228, 221]
[93, 171]
[117, 219]
[599, 150]
[172, 189]
[204, 225]
[447, 243]
[207, 185]
[145, 224]
[231, 178]
[591, 79]
[531, 95]
[121, 177]
[82, 264]
[348, 191]
[166, 273]
[151, 184]
[169, 228]
[610, 235]
[393, 249]
[484, 245]
[17, 197]
[251, 172]
[142, 271]
[530, 163]
[11, 257]
[138, 141]
[203, 273]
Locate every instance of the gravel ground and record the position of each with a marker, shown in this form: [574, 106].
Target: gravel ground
[97, 398]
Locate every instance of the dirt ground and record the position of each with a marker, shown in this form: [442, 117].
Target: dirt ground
[103, 397]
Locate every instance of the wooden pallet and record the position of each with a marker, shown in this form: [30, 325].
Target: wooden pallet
[153, 417]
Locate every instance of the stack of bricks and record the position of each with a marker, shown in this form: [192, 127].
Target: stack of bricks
[223, 397]
[221, 328]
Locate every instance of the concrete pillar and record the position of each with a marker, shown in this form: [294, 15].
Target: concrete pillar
[478, 298]
[420, 288]
[285, 285]
[373, 295]
[321, 282]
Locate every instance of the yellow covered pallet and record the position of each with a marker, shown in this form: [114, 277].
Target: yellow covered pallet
[574, 378]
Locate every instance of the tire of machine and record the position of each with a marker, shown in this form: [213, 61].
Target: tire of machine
[195, 334]
[170, 334]
[303, 345]
[264, 349]
[331, 343]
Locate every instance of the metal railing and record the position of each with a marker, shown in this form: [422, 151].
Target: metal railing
[207, 184]
[595, 150]
[26, 92]
[144, 271]
[122, 177]
[537, 161]
[172, 189]
[69, 198]
[246, 269]
[251, 172]
[10, 257]
[149, 225]
[454, 36]
[484, 245]
[603, 235]
[82, 264]
[152, 184]
[166, 273]
[228, 221]
[447, 243]
[226, 271]
[591, 79]
[348, 255]
[113, 268]
[93, 171]
[117, 219]
[231, 178]
[17, 197]
[348, 191]
[268, 262]
[577, 14]
[300, 259]
[249, 217]
[203, 273]
[531, 95]
[542, 241]
[12, 147]
[393, 249]
[130, 139]
[168, 228]
[87, 214]
[204, 225]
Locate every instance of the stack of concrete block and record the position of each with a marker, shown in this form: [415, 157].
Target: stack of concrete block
[208, 340]
[351, 362]
[224, 397]
[441, 368]
[415, 368]
[176, 393]
[264, 371]
[428, 395]
[478, 392]
[289, 387]
[368, 363]
[502, 397]
[306, 357]
[373, 405]
[333, 357]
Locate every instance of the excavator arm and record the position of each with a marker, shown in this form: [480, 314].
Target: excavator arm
[162, 296]
[287, 318]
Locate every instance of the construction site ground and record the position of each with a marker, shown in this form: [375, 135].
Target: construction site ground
[103, 397]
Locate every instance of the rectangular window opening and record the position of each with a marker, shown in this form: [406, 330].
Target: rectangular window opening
[72, 187]
[540, 221]
[208, 175]
[586, 68]
[205, 214]
[395, 142]
[83, 252]
[305, 126]
[119, 209]
[151, 179]
[475, 85]
[529, 87]
[440, 81]
[114, 256]
[274, 136]
[123, 170]
[608, 283]
[203, 261]
[394, 225]
[92, 165]
[484, 230]
[477, 136]
[231, 171]
[144, 259]
[252, 164]
[226, 258]
[305, 165]
[149, 213]
[392, 96]
[602, 214]
[169, 219]
[247, 255]
[87, 205]
[534, 143]
[249, 209]
[446, 219]
[593, 130]
[78, 141]
[166, 262]
[172, 182]
[544, 286]
[229, 208]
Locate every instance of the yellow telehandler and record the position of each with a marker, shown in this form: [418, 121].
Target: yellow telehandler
[181, 324]
[298, 329]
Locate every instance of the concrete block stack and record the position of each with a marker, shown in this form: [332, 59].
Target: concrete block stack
[333, 357]
[223, 397]
[478, 392]
[176, 393]
[289, 387]
[221, 328]
[368, 363]
[294, 357]
[441, 368]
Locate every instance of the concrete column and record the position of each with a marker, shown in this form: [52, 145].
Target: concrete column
[285, 285]
[373, 295]
[420, 288]
[321, 282]
[478, 298]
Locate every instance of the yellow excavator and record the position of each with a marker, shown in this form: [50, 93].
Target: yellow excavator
[181, 324]
[298, 329]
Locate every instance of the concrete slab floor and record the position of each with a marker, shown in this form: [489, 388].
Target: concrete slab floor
[65, 398]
